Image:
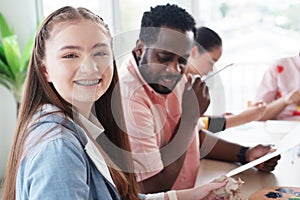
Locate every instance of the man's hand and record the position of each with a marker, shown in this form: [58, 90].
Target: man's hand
[259, 151]
[202, 93]
[196, 94]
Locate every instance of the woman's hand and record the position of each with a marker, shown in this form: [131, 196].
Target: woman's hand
[293, 97]
[253, 112]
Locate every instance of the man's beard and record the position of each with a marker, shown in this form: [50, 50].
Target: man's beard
[160, 88]
[154, 83]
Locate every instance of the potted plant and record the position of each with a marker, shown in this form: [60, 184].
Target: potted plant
[13, 63]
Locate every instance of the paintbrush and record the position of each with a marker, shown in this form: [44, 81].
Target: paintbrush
[216, 72]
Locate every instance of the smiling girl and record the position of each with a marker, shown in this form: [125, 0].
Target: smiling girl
[54, 154]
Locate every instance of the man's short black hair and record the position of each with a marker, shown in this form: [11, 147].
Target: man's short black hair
[167, 15]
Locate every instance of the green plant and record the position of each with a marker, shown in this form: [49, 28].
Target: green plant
[13, 63]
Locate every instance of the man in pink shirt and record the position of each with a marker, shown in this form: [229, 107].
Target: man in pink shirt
[280, 88]
[162, 106]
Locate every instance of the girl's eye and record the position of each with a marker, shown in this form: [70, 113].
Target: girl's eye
[100, 53]
[71, 55]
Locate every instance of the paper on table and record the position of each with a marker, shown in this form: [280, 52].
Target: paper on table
[289, 141]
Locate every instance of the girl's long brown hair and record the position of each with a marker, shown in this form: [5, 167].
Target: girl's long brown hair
[37, 91]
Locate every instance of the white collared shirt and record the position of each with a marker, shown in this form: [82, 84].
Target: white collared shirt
[94, 127]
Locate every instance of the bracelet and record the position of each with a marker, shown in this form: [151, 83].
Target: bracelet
[154, 196]
[216, 124]
[242, 155]
[172, 195]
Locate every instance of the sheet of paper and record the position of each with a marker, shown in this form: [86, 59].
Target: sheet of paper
[289, 141]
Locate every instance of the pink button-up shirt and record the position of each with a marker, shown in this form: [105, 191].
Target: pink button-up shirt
[151, 119]
[279, 80]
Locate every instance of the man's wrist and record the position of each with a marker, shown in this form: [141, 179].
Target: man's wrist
[242, 155]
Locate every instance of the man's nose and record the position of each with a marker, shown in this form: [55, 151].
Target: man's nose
[175, 67]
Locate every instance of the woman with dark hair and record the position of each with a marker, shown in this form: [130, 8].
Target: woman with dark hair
[206, 51]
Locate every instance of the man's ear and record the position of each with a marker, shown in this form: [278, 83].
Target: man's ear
[139, 48]
[194, 51]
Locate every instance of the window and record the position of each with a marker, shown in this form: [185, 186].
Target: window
[255, 34]
[100, 7]
[50, 5]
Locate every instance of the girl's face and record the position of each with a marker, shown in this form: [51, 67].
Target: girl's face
[79, 62]
[203, 63]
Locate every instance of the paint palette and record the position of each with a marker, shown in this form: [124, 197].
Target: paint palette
[277, 192]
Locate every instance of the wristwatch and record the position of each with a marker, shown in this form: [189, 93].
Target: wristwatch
[242, 155]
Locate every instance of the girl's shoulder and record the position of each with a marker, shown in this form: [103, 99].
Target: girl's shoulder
[50, 125]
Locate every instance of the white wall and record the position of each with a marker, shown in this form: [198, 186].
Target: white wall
[8, 118]
[21, 15]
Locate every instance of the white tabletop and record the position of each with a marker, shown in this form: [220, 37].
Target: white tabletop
[287, 172]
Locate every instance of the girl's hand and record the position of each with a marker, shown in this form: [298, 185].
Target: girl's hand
[202, 192]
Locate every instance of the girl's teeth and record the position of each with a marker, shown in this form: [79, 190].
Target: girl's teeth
[87, 82]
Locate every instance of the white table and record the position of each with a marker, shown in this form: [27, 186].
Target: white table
[287, 173]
